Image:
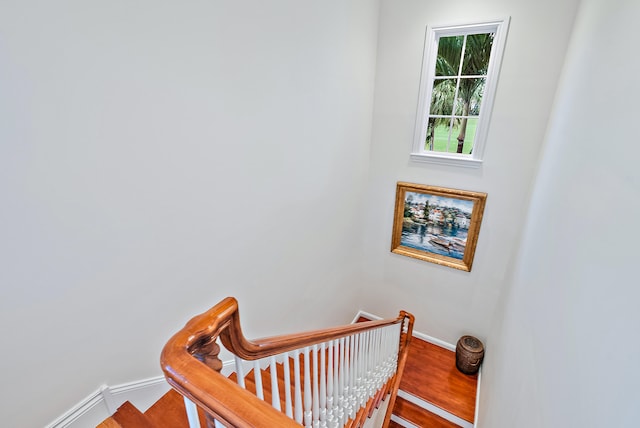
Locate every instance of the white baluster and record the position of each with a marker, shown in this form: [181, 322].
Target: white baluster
[239, 371]
[297, 388]
[385, 356]
[307, 389]
[345, 382]
[347, 378]
[275, 393]
[353, 389]
[387, 353]
[352, 371]
[364, 363]
[316, 399]
[341, 384]
[329, 413]
[392, 343]
[192, 413]
[257, 374]
[370, 363]
[360, 373]
[287, 386]
[395, 345]
[348, 355]
[336, 383]
[377, 377]
[365, 366]
[323, 386]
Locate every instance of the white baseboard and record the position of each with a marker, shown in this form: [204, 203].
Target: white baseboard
[103, 402]
[366, 315]
[141, 394]
[477, 412]
[417, 334]
[435, 341]
[85, 413]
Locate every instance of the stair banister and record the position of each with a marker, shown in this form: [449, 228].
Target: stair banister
[201, 383]
[199, 379]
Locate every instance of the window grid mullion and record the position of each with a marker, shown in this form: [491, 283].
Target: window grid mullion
[470, 76]
[425, 148]
[455, 97]
[457, 116]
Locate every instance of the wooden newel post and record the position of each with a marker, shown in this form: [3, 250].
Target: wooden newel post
[207, 352]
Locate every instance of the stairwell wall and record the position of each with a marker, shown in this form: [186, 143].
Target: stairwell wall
[156, 157]
[448, 303]
[565, 351]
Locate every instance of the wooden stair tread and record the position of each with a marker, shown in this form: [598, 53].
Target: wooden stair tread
[419, 416]
[109, 423]
[169, 411]
[128, 415]
[431, 374]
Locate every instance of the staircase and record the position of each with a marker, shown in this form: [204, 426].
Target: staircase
[167, 412]
[432, 393]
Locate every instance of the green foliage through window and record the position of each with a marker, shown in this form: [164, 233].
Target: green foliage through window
[458, 84]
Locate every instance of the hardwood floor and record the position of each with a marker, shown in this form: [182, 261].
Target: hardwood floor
[431, 375]
[169, 411]
[129, 415]
[418, 417]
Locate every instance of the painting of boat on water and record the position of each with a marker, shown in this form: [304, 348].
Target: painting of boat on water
[437, 224]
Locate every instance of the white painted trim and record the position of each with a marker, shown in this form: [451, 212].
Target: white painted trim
[403, 422]
[116, 395]
[364, 314]
[449, 160]
[139, 384]
[435, 409]
[417, 334]
[418, 153]
[477, 411]
[107, 400]
[85, 406]
[192, 413]
[433, 340]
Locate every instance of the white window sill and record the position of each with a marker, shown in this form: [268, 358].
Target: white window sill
[449, 159]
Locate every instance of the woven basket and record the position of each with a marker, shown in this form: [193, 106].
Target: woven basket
[469, 354]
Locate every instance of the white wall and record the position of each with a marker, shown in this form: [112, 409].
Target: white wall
[566, 351]
[156, 157]
[447, 302]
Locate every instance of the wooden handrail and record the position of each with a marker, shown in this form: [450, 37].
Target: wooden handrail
[199, 378]
[405, 340]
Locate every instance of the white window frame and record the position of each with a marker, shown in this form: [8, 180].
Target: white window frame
[433, 34]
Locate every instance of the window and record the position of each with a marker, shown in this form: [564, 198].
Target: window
[459, 78]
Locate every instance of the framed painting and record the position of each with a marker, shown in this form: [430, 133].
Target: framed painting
[437, 224]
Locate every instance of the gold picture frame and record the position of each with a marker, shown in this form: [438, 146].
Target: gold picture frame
[437, 224]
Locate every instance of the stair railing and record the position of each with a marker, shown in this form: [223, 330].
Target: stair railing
[331, 378]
